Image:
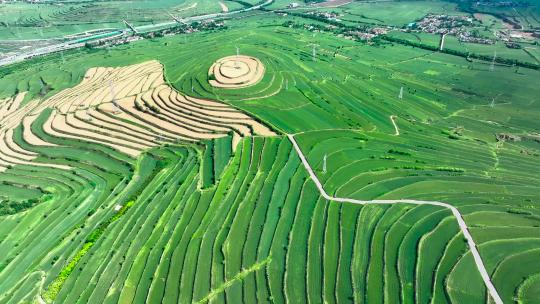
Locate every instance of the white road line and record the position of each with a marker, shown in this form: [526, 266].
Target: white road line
[462, 225]
[393, 119]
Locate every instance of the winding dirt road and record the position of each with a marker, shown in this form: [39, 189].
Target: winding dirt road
[462, 225]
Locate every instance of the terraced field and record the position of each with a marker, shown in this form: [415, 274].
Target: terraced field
[127, 177]
[59, 18]
[184, 242]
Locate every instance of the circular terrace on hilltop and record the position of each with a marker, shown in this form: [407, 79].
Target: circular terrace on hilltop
[234, 72]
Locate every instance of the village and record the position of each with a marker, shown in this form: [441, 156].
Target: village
[458, 26]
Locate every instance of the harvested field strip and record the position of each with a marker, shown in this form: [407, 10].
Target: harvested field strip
[145, 117]
[203, 119]
[109, 158]
[133, 98]
[56, 126]
[198, 131]
[194, 121]
[235, 72]
[84, 127]
[125, 117]
[119, 124]
[119, 130]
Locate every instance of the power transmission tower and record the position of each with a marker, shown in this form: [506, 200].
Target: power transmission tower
[492, 67]
[401, 93]
[324, 165]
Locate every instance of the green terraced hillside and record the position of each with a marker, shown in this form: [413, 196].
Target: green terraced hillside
[126, 177]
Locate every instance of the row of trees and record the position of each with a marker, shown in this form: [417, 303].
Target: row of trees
[463, 54]
[323, 19]
[346, 28]
[12, 207]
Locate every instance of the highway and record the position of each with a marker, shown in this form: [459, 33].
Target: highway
[76, 43]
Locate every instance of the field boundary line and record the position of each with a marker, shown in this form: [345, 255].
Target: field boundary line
[238, 277]
[461, 222]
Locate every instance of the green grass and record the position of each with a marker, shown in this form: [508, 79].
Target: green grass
[212, 225]
[398, 14]
[50, 20]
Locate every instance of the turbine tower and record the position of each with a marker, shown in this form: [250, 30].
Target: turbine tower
[324, 165]
[314, 50]
[401, 93]
[237, 55]
[492, 104]
[492, 67]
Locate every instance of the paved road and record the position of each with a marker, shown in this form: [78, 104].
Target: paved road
[72, 44]
[462, 225]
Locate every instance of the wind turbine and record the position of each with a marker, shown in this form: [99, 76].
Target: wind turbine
[314, 50]
[492, 67]
[237, 55]
[492, 104]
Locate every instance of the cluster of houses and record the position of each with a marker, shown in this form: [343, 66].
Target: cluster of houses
[449, 25]
[367, 35]
[332, 16]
